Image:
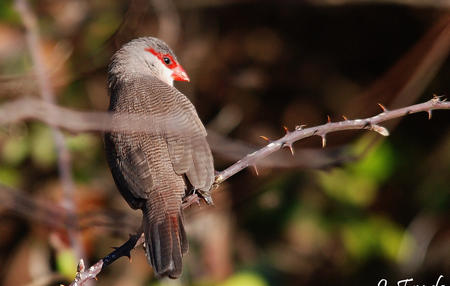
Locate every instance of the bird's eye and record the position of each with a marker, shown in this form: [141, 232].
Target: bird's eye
[167, 61]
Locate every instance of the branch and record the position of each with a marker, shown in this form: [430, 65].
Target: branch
[84, 275]
[79, 121]
[50, 214]
[64, 162]
[168, 20]
[371, 123]
[232, 150]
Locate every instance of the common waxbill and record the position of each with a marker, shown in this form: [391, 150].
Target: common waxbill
[155, 170]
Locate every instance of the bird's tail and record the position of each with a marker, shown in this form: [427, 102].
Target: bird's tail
[165, 241]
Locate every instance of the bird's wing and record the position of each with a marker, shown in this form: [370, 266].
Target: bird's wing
[177, 125]
[183, 131]
[129, 167]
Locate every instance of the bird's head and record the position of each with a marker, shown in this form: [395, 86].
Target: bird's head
[146, 56]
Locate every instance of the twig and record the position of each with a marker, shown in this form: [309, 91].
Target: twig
[371, 123]
[124, 249]
[77, 121]
[168, 21]
[306, 158]
[54, 216]
[84, 275]
[64, 167]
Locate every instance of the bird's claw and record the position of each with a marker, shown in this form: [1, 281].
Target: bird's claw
[190, 200]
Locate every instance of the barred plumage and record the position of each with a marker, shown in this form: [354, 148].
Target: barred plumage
[150, 168]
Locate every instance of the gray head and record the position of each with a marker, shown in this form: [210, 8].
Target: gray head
[145, 56]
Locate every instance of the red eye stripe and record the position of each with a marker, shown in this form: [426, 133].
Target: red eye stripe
[161, 57]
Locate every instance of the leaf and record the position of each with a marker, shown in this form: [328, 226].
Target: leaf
[66, 263]
[42, 146]
[15, 150]
[244, 279]
[9, 176]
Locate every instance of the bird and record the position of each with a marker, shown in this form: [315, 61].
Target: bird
[158, 170]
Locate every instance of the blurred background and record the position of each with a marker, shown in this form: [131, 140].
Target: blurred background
[362, 209]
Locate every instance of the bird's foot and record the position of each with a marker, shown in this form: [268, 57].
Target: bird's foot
[206, 196]
[190, 200]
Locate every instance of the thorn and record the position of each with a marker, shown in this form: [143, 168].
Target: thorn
[256, 170]
[95, 277]
[429, 114]
[265, 138]
[286, 130]
[328, 119]
[218, 180]
[382, 107]
[436, 97]
[208, 199]
[367, 125]
[324, 141]
[81, 267]
[289, 145]
[300, 127]
[345, 117]
[380, 129]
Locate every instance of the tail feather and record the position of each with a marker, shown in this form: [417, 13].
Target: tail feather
[166, 242]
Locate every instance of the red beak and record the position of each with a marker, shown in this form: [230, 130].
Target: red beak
[179, 74]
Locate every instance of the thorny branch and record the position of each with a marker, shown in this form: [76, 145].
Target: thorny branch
[79, 121]
[84, 275]
[370, 123]
[64, 165]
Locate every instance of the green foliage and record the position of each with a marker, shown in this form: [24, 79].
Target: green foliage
[374, 237]
[15, 150]
[86, 150]
[308, 227]
[66, 263]
[433, 192]
[358, 182]
[82, 143]
[244, 279]
[272, 207]
[8, 13]
[42, 146]
[10, 176]
[99, 31]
